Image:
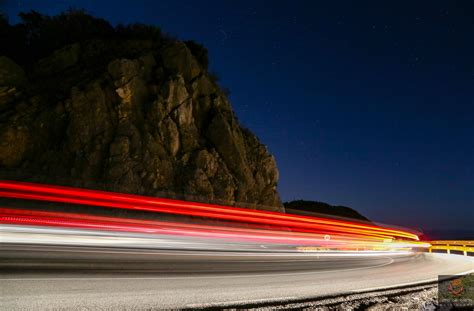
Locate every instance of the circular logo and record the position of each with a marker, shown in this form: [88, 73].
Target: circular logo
[455, 287]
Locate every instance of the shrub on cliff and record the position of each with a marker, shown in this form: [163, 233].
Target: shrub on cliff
[37, 35]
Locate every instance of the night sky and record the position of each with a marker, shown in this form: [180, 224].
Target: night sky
[364, 104]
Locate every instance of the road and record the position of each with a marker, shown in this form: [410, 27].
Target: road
[69, 259]
[234, 279]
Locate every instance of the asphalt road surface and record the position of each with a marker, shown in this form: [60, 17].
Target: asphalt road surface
[201, 279]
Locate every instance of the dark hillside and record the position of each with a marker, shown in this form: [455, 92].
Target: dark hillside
[298, 206]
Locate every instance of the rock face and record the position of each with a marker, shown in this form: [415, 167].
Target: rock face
[150, 123]
[12, 76]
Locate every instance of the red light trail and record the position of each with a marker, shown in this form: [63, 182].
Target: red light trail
[30, 191]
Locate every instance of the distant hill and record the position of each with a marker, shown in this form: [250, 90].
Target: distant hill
[304, 207]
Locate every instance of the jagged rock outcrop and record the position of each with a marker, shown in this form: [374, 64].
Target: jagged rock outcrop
[147, 121]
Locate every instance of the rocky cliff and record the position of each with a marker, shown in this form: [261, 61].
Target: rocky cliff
[136, 114]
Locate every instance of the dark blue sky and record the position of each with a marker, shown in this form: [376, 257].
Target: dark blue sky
[364, 104]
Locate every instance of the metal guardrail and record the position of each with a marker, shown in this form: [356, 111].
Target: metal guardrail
[451, 245]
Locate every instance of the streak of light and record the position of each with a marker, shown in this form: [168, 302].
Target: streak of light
[32, 191]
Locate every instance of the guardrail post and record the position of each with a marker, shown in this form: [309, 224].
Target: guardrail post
[465, 250]
[447, 246]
